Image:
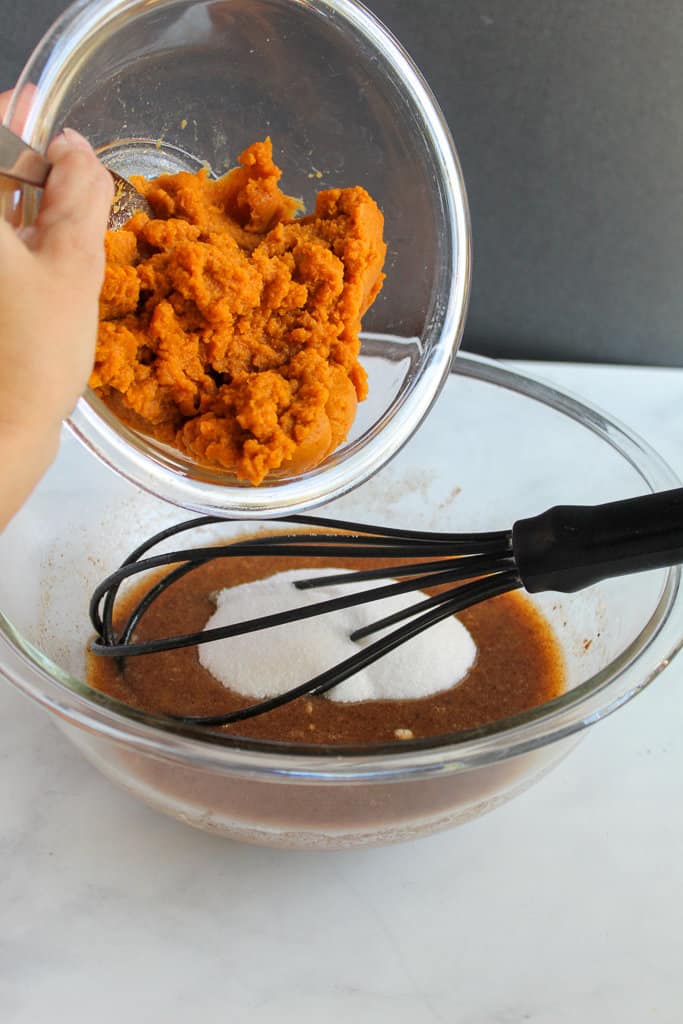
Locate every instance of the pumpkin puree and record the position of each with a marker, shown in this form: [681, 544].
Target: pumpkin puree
[230, 329]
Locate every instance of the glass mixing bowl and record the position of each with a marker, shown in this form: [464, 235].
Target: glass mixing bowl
[498, 446]
[168, 85]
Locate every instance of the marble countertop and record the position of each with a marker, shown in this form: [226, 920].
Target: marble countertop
[562, 906]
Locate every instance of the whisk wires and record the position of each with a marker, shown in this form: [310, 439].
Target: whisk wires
[444, 560]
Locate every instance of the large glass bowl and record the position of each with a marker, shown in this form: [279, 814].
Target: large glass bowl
[498, 446]
[167, 85]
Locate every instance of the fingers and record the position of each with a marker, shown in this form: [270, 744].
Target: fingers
[66, 141]
[74, 211]
[22, 109]
[5, 97]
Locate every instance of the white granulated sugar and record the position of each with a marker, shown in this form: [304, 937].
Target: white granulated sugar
[266, 663]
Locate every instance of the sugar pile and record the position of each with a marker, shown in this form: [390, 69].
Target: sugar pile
[264, 664]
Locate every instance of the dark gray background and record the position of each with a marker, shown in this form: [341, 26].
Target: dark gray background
[568, 117]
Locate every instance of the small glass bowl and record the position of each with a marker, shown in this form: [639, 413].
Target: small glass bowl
[176, 84]
[497, 447]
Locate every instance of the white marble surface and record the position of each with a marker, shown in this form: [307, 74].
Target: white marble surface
[564, 906]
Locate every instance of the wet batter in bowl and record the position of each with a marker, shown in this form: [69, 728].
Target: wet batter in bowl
[518, 666]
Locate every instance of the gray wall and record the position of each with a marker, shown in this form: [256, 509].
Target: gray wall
[568, 117]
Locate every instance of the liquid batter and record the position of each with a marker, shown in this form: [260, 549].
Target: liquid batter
[519, 666]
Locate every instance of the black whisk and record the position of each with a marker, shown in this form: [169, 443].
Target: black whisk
[564, 549]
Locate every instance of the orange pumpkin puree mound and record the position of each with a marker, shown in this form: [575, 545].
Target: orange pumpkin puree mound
[230, 329]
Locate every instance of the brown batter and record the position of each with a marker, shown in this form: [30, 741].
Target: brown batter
[519, 666]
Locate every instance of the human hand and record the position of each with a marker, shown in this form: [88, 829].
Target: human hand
[50, 280]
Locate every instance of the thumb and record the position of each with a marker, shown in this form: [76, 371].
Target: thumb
[74, 211]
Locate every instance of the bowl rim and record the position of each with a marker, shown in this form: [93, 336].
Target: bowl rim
[140, 461]
[632, 670]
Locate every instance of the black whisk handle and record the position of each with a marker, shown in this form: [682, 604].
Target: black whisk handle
[569, 547]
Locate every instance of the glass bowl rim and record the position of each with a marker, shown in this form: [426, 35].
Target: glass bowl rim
[631, 671]
[347, 469]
